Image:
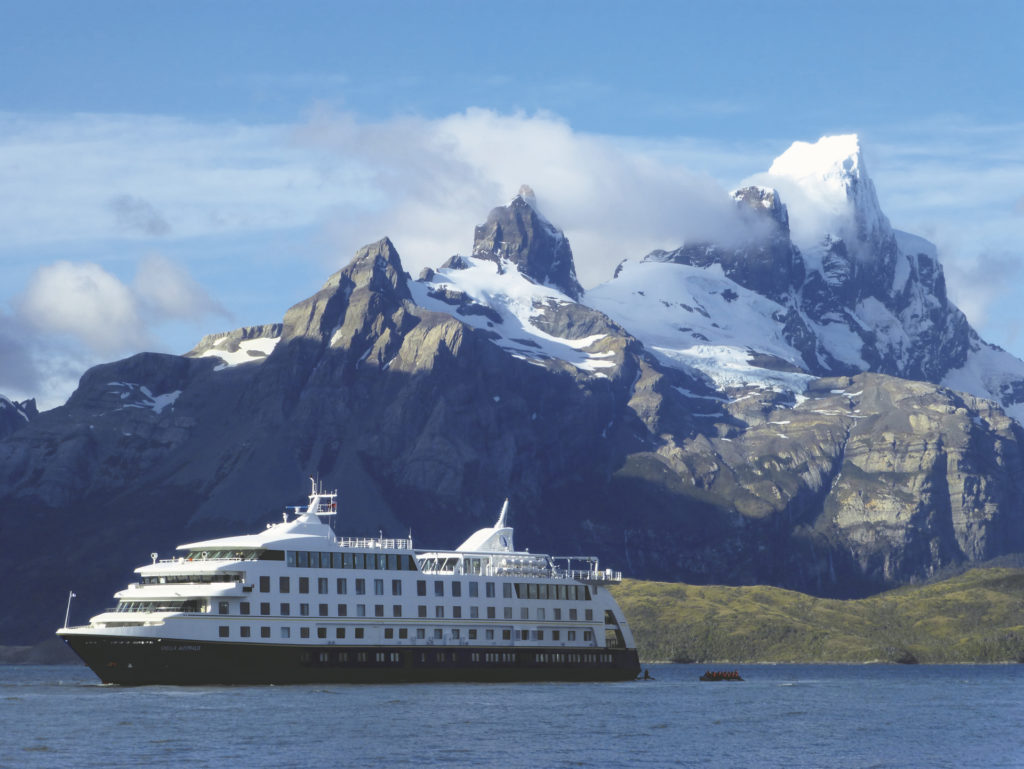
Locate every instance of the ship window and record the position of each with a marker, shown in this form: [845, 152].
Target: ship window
[222, 607]
[421, 633]
[264, 632]
[541, 614]
[508, 612]
[303, 584]
[524, 635]
[378, 610]
[243, 607]
[421, 611]
[474, 589]
[303, 632]
[438, 633]
[506, 635]
[322, 585]
[223, 631]
[244, 631]
[302, 558]
[286, 632]
[474, 612]
[264, 584]
[396, 610]
[558, 613]
[339, 632]
[540, 635]
[389, 632]
[590, 615]
[304, 609]
[360, 609]
[335, 560]
[286, 609]
[360, 587]
[490, 612]
[378, 587]
[573, 615]
[472, 634]
[321, 632]
[359, 632]
[346, 560]
[342, 586]
[265, 608]
[524, 613]
[323, 610]
[381, 560]
[456, 589]
[588, 635]
[410, 563]
[421, 587]
[457, 612]
[393, 562]
[342, 609]
[455, 633]
[556, 635]
[489, 634]
[284, 584]
[531, 591]
[490, 590]
[290, 560]
[439, 612]
[438, 588]
[572, 635]
[506, 590]
[403, 632]
[560, 592]
[396, 587]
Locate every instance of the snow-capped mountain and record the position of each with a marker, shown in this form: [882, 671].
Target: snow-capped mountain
[835, 293]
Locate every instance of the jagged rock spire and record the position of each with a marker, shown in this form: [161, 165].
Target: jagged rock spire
[520, 234]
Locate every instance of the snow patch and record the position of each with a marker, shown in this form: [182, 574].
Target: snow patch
[519, 302]
[249, 351]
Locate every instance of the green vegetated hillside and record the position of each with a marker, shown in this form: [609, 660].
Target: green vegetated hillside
[975, 617]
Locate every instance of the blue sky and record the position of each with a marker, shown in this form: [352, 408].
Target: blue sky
[174, 168]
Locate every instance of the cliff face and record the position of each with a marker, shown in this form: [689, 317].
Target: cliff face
[685, 423]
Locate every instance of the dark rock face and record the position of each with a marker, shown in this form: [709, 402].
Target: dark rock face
[518, 233]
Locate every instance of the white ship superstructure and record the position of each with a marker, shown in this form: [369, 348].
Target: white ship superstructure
[295, 603]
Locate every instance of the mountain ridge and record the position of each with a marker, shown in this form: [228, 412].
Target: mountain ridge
[699, 417]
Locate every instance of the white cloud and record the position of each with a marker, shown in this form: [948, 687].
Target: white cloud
[437, 179]
[73, 315]
[86, 302]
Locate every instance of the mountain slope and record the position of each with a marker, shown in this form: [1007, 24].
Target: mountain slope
[704, 416]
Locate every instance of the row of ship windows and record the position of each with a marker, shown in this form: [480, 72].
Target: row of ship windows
[541, 591]
[323, 610]
[420, 633]
[539, 613]
[346, 560]
[508, 658]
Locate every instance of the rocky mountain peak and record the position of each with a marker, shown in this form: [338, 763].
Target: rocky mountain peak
[16, 414]
[520, 234]
[763, 202]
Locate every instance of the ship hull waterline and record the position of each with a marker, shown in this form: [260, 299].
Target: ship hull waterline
[134, 662]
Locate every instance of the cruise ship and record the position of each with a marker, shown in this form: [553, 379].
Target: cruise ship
[297, 604]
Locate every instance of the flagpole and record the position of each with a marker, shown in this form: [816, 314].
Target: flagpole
[67, 613]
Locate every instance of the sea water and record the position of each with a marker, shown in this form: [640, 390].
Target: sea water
[792, 716]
